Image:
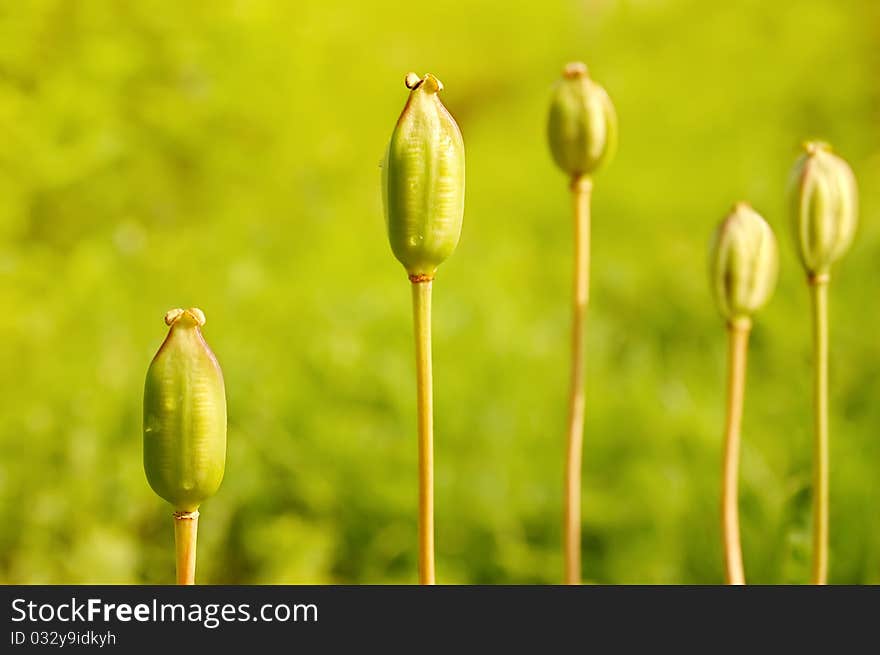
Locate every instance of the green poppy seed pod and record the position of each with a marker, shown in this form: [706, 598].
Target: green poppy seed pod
[582, 125]
[423, 180]
[743, 263]
[824, 208]
[184, 415]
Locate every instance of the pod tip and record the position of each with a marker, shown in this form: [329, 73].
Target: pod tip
[429, 83]
[194, 314]
[574, 70]
[815, 147]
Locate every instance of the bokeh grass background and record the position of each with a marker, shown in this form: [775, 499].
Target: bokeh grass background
[226, 155]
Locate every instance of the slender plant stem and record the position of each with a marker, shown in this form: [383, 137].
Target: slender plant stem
[581, 188]
[186, 526]
[421, 296]
[819, 293]
[738, 340]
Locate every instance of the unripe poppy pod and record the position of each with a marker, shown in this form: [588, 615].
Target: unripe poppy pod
[184, 415]
[423, 180]
[582, 125]
[824, 207]
[743, 263]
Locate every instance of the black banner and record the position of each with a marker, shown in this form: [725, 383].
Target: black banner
[130, 619]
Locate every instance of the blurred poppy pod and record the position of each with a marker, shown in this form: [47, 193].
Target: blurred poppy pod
[743, 263]
[423, 180]
[582, 125]
[184, 415]
[824, 207]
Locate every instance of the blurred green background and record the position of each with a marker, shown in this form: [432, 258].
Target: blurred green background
[226, 155]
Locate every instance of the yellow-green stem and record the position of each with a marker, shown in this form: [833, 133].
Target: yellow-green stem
[421, 296]
[819, 293]
[186, 525]
[738, 340]
[581, 188]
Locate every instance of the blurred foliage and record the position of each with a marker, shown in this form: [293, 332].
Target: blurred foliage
[225, 155]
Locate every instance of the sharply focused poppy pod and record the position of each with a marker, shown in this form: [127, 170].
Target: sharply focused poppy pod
[743, 263]
[184, 415]
[423, 180]
[824, 207]
[582, 124]
[824, 214]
